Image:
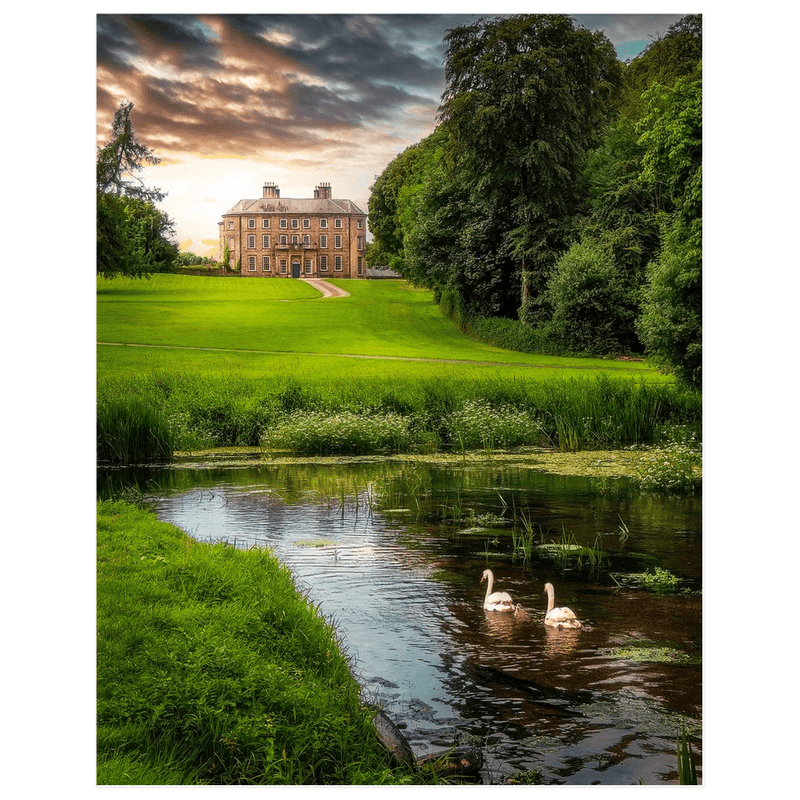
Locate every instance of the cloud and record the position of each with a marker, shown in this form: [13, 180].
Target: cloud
[253, 85]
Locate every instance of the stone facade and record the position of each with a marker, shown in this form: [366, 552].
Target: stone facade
[319, 237]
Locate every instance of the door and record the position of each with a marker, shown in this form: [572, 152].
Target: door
[296, 268]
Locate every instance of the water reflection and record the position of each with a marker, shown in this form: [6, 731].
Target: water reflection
[402, 588]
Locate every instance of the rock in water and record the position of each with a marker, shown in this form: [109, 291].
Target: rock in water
[393, 740]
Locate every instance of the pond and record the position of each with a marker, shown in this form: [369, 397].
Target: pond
[393, 552]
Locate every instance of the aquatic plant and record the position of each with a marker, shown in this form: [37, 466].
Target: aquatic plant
[687, 772]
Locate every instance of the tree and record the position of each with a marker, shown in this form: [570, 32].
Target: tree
[134, 238]
[671, 321]
[124, 156]
[525, 97]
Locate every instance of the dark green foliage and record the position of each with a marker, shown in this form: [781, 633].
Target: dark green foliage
[587, 295]
[134, 238]
[547, 142]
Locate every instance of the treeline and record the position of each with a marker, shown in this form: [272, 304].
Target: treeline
[557, 207]
[134, 237]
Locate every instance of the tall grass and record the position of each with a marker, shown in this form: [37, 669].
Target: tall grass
[393, 415]
[132, 430]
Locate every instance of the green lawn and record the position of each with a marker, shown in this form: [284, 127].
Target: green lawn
[263, 327]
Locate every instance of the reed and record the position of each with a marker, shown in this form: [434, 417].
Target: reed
[131, 430]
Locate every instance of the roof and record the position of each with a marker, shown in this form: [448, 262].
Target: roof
[289, 205]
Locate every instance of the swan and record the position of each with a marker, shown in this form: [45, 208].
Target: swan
[558, 617]
[498, 601]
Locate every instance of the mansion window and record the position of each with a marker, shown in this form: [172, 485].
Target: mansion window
[307, 241]
[360, 242]
[284, 223]
[265, 264]
[337, 240]
[323, 263]
[265, 240]
[323, 223]
[308, 266]
[265, 222]
[337, 264]
[323, 240]
[231, 243]
[251, 263]
[283, 266]
[294, 238]
[295, 224]
[251, 240]
[337, 223]
[360, 224]
[251, 223]
[283, 239]
[230, 225]
[306, 223]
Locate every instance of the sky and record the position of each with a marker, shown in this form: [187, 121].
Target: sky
[229, 102]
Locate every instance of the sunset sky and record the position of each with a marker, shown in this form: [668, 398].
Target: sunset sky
[232, 101]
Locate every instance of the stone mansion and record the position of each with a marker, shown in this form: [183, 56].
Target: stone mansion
[293, 238]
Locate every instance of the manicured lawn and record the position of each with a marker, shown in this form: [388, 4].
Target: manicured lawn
[380, 318]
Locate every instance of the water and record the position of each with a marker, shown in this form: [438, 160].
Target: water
[376, 547]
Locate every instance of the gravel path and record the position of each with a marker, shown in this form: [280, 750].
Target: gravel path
[327, 289]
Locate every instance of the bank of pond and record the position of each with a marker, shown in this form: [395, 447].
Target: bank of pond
[263, 620]
[156, 415]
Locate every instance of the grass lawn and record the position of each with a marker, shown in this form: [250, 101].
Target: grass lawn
[263, 327]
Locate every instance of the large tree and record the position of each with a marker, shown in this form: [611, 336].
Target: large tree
[525, 97]
[134, 238]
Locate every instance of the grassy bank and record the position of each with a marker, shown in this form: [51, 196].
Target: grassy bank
[213, 669]
[350, 416]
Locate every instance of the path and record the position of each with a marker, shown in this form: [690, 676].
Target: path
[327, 289]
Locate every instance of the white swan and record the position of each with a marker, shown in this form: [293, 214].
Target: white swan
[558, 617]
[498, 601]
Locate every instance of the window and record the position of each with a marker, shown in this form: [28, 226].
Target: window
[323, 223]
[284, 224]
[337, 264]
[337, 240]
[231, 243]
[251, 240]
[306, 223]
[337, 223]
[295, 224]
[265, 240]
[265, 264]
[251, 223]
[283, 266]
[283, 239]
[306, 241]
[323, 240]
[230, 225]
[251, 263]
[360, 224]
[265, 222]
[295, 238]
[360, 265]
[360, 242]
[323, 263]
[308, 266]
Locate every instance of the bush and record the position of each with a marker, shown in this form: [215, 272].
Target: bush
[587, 294]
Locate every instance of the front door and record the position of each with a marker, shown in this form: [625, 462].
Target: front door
[296, 268]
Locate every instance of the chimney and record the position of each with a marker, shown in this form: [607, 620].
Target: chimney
[322, 192]
[271, 191]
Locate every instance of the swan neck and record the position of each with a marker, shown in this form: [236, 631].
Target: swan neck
[550, 599]
[489, 582]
